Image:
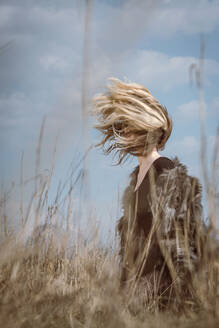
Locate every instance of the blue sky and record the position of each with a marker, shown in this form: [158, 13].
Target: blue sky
[149, 42]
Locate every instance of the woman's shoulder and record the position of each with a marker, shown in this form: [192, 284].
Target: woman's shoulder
[162, 163]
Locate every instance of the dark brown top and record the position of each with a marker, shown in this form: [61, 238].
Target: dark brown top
[159, 165]
[134, 229]
[144, 214]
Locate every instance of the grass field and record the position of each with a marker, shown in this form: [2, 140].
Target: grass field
[53, 280]
[42, 286]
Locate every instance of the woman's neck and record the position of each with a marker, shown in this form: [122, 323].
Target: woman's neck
[145, 160]
[144, 165]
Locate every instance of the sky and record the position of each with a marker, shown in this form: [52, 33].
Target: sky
[152, 42]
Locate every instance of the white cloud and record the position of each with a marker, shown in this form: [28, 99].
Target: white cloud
[187, 17]
[5, 15]
[188, 145]
[212, 141]
[215, 107]
[190, 111]
[119, 27]
[124, 25]
[51, 62]
[17, 107]
[161, 71]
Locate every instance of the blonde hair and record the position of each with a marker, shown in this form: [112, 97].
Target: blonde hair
[132, 121]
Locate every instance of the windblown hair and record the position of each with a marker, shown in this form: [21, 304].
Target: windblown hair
[132, 121]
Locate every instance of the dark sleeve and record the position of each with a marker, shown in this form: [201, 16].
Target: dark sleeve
[163, 163]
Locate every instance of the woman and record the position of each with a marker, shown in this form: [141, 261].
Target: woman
[161, 234]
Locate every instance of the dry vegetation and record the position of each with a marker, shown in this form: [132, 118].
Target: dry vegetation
[54, 280]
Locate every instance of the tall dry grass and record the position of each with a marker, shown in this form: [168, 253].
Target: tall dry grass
[55, 278]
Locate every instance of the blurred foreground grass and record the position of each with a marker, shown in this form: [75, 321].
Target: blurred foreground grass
[55, 279]
[42, 287]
